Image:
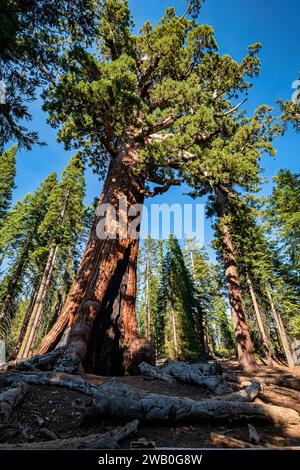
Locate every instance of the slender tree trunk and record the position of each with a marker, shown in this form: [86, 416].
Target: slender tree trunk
[37, 311]
[148, 307]
[173, 317]
[282, 332]
[26, 319]
[91, 303]
[261, 327]
[241, 331]
[206, 339]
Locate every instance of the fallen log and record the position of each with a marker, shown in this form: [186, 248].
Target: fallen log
[247, 395]
[287, 382]
[226, 441]
[155, 372]
[109, 440]
[10, 399]
[198, 374]
[58, 379]
[132, 403]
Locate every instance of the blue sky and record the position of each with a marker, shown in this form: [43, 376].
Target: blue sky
[237, 23]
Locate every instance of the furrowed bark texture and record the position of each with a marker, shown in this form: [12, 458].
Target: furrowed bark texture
[241, 331]
[99, 333]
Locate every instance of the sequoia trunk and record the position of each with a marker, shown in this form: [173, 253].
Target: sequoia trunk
[244, 344]
[93, 307]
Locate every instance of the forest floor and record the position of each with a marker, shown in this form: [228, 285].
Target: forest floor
[47, 412]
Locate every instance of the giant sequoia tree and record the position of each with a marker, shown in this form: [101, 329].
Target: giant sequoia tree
[132, 107]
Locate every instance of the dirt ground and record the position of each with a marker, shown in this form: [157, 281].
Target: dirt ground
[49, 411]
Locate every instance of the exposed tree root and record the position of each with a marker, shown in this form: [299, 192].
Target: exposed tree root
[153, 407]
[205, 375]
[132, 403]
[36, 363]
[10, 399]
[155, 372]
[224, 441]
[247, 395]
[50, 378]
[109, 440]
[286, 381]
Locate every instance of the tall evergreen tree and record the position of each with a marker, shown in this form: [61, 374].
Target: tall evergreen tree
[163, 89]
[19, 239]
[232, 162]
[59, 232]
[185, 315]
[152, 292]
[283, 215]
[7, 178]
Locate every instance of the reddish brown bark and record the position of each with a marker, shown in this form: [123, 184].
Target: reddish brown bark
[241, 331]
[93, 307]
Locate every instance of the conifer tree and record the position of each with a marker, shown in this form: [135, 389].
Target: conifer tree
[186, 316]
[152, 292]
[233, 162]
[161, 93]
[19, 239]
[59, 232]
[283, 216]
[7, 178]
[267, 288]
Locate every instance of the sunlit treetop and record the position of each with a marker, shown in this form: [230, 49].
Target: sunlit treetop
[160, 91]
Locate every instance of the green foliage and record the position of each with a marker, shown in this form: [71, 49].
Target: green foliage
[161, 91]
[183, 303]
[283, 215]
[7, 177]
[32, 35]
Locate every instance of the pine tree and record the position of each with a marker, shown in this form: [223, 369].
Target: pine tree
[259, 269]
[152, 293]
[232, 162]
[186, 316]
[19, 239]
[283, 215]
[59, 233]
[7, 177]
[161, 98]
